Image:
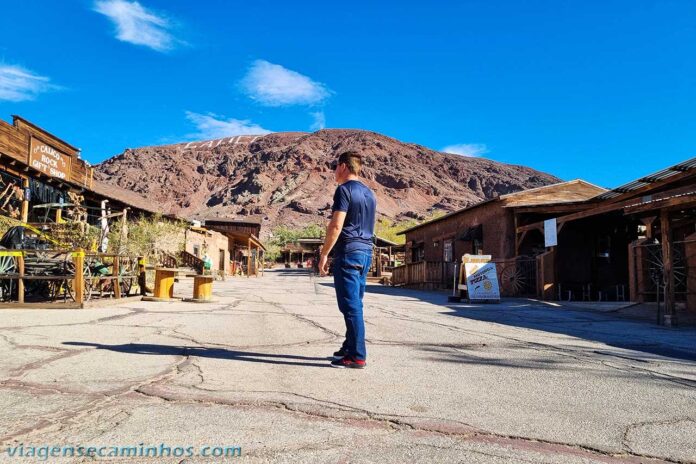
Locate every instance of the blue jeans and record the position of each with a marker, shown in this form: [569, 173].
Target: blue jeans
[350, 272]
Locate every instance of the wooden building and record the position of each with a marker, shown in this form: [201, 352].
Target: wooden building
[41, 174]
[301, 250]
[636, 242]
[434, 247]
[245, 248]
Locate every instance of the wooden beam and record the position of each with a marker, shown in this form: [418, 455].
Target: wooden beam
[116, 268]
[654, 186]
[79, 281]
[249, 259]
[25, 202]
[683, 201]
[20, 281]
[554, 209]
[608, 206]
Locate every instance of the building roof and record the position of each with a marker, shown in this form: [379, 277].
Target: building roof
[573, 191]
[127, 197]
[254, 220]
[44, 131]
[663, 174]
[311, 241]
[381, 241]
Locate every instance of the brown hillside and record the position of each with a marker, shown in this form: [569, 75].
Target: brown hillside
[285, 177]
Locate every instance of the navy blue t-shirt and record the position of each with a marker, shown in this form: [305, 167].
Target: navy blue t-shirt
[360, 205]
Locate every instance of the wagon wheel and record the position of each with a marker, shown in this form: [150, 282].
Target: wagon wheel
[8, 265]
[512, 280]
[91, 278]
[88, 277]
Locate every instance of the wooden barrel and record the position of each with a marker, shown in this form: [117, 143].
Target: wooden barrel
[203, 288]
[164, 283]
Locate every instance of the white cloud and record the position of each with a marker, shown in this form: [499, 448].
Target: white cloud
[273, 85]
[319, 121]
[19, 84]
[211, 126]
[466, 149]
[137, 25]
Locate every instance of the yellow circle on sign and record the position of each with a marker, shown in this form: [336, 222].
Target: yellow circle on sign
[487, 285]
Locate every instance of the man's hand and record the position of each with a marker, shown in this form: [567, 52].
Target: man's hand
[323, 265]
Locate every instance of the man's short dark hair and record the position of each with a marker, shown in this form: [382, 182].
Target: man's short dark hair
[352, 159]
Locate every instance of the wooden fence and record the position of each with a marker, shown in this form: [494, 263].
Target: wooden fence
[425, 273]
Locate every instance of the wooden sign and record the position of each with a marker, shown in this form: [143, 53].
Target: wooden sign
[48, 160]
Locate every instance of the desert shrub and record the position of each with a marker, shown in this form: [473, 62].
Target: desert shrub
[151, 237]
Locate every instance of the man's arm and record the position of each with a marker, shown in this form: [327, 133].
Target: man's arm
[333, 230]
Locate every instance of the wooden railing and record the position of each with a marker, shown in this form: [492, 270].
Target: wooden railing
[60, 276]
[168, 260]
[192, 261]
[436, 273]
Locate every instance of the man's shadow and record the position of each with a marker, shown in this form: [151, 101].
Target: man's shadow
[219, 353]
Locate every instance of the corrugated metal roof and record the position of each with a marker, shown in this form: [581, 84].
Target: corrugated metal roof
[649, 179]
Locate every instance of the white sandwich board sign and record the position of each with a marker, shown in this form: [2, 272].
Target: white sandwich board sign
[482, 282]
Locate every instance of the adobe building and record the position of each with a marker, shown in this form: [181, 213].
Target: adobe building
[489, 227]
[201, 241]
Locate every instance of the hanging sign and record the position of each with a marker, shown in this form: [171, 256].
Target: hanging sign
[550, 238]
[482, 282]
[48, 160]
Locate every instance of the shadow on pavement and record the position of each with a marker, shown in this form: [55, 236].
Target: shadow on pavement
[608, 328]
[219, 353]
[290, 272]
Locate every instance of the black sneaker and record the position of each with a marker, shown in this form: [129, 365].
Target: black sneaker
[340, 353]
[349, 363]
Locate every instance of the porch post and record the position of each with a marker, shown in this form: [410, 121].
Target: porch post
[25, 201]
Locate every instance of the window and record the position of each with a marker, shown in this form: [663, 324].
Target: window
[417, 253]
[197, 251]
[447, 251]
[477, 246]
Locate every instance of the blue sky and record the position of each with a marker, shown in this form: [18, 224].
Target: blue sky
[602, 90]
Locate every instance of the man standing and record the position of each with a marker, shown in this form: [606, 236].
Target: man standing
[350, 235]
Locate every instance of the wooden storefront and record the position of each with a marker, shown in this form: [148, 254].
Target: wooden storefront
[636, 243]
[247, 253]
[434, 248]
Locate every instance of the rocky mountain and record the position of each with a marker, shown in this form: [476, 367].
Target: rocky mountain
[286, 177]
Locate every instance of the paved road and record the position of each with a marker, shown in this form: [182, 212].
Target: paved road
[516, 382]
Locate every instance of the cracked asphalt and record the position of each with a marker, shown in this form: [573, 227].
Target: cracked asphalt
[521, 381]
